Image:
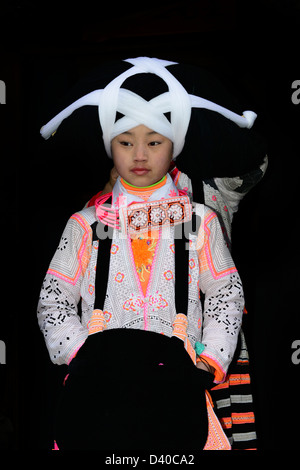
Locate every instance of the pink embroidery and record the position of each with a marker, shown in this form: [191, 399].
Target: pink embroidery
[183, 192]
[65, 379]
[91, 289]
[107, 316]
[155, 301]
[168, 275]
[119, 277]
[158, 301]
[107, 215]
[192, 263]
[214, 272]
[114, 249]
[121, 200]
[55, 446]
[81, 254]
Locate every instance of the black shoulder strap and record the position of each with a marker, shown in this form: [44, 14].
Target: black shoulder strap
[182, 263]
[103, 259]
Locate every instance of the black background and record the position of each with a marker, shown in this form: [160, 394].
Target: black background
[254, 49]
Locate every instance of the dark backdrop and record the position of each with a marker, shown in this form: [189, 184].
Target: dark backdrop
[43, 51]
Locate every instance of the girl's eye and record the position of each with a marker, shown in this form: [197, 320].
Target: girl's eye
[125, 144]
[154, 143]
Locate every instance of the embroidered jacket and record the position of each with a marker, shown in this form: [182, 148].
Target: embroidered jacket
[71, 278]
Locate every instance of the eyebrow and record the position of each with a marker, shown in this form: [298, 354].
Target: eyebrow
[148, 133]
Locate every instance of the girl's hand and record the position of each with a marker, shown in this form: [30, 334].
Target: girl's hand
[204, 366]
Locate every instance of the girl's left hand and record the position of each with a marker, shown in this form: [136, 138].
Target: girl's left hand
[206, 367]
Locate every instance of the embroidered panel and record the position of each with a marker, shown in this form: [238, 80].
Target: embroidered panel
[73, 253]
[152, 215]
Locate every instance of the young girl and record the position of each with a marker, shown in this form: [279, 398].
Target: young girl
[142, 298]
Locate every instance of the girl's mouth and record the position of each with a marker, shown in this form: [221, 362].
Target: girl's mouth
[140, 171]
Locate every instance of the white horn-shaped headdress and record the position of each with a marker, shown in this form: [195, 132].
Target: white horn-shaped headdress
[136, 110]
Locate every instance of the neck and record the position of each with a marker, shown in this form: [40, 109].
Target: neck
[141, 188]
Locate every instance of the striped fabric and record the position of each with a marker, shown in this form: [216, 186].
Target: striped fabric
[234, 402]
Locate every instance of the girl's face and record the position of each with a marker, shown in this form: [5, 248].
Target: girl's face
[141, 156]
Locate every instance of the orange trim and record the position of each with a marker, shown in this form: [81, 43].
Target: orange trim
[208, 395]
[216, 439]
[226, 423]
[221, 386]
[179, 330]
[243, 361]
[143, 250]
[239, 379]
[143, 192]
[97, 322]
[243, 418]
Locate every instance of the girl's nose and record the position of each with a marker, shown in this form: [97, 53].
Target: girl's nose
[140, 153]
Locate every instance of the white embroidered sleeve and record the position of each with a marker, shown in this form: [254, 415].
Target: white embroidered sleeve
[224, 298]
[60, 294]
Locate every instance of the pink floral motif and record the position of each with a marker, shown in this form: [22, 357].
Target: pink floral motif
[127, 304]
[168, 275]
[133, 304]
[172, 193]
[91, 289]
[107, 316]
[114, 249]
[121, 200]
[157, 301]
[119, 277]
[192, 263]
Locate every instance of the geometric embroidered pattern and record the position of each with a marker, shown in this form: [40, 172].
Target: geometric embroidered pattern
[216, 439]
[219, 264]
[152, 215]
[65, 265]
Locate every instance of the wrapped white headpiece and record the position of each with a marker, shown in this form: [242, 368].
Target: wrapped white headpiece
[137, 110]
